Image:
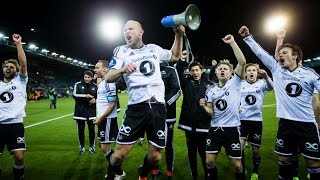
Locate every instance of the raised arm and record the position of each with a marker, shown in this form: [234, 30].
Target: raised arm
[177, 46]
[280, 38]
[269, 83]
[229, 39]
[264, 56]
[21, 55]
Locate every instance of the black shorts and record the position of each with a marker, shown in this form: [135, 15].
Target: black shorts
[149, 118]
[12, 135]
[252, 131]
[108, 131]
[228, 137]
[298, 136]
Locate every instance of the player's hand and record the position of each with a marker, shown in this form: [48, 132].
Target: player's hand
[244, 31]
[202, 102]
[214, 62]
[179, 29]
[129, 68]
[16, 38]
[92, 101]
[281, 34]
[228, 39]
[262, 73]
[97, 120]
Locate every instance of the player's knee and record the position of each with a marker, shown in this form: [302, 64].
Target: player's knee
[210, 162]
[19, 159]
[155, 157]
[237, 165]
[119, 157]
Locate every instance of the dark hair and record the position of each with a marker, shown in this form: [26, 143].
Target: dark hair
[194, 63]
[89, 73]
[12, 61]
[296, 50]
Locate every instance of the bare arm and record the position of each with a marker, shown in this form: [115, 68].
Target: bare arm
[111, 107]
[207, 107]
[228, 39]
[177, 46]
[262, 73]
[316, 107]
[280, 38]
[21, 55]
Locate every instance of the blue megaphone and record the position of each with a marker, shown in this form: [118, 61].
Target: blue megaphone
[190, 18]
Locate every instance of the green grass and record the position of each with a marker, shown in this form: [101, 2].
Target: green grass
[52, 148]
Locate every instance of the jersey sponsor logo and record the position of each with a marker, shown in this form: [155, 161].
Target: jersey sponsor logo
[6, 97]
[221, 104]
[125, 129]
[256, 136]
[279, 142]
[250, 99]
[293, 89]
[20, 140]
[312, 147]
[161, 134]
[208, 142]
[235, 146]
[147, 68]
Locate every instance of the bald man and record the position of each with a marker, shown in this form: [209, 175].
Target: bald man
[139, 64]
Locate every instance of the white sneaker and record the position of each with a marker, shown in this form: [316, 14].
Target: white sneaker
[119, 177]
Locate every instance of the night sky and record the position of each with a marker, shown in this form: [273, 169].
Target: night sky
[68, 26]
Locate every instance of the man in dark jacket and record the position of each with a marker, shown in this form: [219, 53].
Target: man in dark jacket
[193, 120]
[85, 93]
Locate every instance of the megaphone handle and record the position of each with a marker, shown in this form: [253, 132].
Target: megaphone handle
[188, 48]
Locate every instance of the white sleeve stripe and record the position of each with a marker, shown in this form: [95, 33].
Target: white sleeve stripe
[174, 98]
[116, 50]
[75, 91]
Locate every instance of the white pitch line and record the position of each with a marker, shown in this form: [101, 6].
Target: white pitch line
[53, 119]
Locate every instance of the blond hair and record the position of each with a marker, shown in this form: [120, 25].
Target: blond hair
[226, 62]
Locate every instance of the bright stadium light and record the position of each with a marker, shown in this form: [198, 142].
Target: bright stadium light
[275, 23]
[110, 28]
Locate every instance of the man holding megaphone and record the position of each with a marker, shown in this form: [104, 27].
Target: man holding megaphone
[139, 64]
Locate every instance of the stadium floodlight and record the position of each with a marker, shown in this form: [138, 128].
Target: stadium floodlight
[23, 43]
[44, 51]
[75, 61]
[54, 54]
[276, 23]
[1, 35]
[110, 28]
[69, 59]
[33, 47]
[62, 56]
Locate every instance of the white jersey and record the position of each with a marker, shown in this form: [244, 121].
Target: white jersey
[13, 99]
[145, 81]
[252, 96]
[106, 94]
[293, 89]
[226, 103]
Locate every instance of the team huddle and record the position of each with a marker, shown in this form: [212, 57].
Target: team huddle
[224, 111]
